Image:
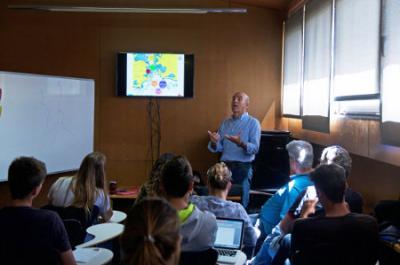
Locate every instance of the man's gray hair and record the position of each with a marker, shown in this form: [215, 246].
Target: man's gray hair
[301, 152]
[338, 155]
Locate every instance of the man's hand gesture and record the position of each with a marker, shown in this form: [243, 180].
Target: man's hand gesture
[214, 137]
[234, 139]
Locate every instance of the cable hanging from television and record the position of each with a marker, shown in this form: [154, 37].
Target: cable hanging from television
[153, 112]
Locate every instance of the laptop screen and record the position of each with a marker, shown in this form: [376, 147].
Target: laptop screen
[229, 233]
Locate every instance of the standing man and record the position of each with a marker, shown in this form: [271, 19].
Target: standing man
[238, 139]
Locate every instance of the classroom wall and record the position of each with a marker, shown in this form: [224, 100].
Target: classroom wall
[233, 52]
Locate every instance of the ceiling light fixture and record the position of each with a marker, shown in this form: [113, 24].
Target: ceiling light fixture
[139, 10]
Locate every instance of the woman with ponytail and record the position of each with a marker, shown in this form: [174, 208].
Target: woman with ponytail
[151, 235]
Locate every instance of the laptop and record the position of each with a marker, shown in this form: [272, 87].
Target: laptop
[229, 239]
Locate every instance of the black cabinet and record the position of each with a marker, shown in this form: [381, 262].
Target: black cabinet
[271, 165]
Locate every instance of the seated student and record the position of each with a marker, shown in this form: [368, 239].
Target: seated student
[387, 214]
[339, 236]
[151, 234]
[152, 187]
[198, 228]
[219, 183]
[338, 155]
[301, 159]
[85, 189]
[28, 235]
[278, 242]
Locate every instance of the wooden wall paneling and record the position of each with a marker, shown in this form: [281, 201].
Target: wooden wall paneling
[261, 73]
[232, 51]
[214, 40]
[382, 152]
[294, 126]
[49, 43]
[350, 133]
[128, 172]
[375, 180]
[136, 109]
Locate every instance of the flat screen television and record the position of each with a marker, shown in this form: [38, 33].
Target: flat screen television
[141, 74]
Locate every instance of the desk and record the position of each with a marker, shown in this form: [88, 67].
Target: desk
[102, 232]
[234, 198]
[124, 198]
[240, 259]
[129, 193]
[266, 192]
[92, 256]
[117, 217]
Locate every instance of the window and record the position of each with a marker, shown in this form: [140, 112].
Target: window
[292, 71]
[391, 72]
[356, 55]
[317, 64]
[341, 60]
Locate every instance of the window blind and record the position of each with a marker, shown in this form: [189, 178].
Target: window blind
[356, 60]
[391, 72]
[317, 64]
[292, 67]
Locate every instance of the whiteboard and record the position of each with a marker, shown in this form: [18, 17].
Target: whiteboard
[49, 118]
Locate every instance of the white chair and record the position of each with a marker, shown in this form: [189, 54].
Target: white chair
[92, 256]
[102, 232]
[117, 217]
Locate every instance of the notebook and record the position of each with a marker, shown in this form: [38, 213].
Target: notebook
[229, 239]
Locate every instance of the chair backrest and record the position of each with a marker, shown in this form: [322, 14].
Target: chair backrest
[76, 221]
[75, 232]
[206, 257]
[79, 214]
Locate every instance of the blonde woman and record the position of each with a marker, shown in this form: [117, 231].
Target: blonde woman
[85, 189]
[219, 184]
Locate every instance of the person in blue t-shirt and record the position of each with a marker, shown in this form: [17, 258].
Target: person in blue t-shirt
[276, 248]
[301, 159]
[238, 139]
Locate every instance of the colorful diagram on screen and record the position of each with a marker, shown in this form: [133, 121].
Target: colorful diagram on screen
[155, 74]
